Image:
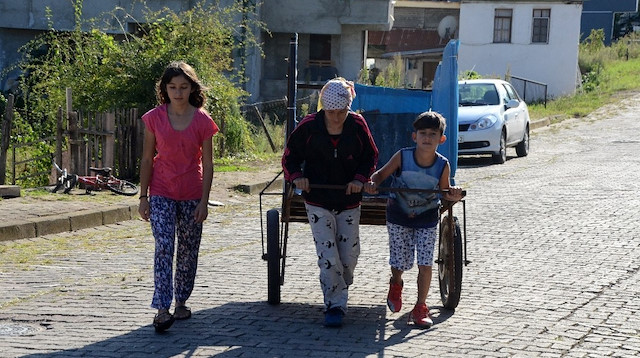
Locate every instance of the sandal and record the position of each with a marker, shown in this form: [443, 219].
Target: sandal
[162, 321]
[182, 312]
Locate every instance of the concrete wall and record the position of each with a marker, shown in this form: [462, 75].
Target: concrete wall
[327, 16]
[32, 14]
[346, 21]
[555, 63]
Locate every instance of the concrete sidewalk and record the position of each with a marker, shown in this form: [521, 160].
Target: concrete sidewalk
[28, 217]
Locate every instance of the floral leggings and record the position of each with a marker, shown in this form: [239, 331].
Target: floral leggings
[170, 219]
[337, 239]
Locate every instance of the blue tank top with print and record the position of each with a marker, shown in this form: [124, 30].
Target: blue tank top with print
[415, 210]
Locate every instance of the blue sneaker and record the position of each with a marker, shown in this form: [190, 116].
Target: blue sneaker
[333, 317]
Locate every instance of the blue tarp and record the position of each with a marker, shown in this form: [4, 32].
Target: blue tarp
[390, 100]
[390, 112]
[445, 102]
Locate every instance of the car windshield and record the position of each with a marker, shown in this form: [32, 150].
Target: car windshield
[478, 94]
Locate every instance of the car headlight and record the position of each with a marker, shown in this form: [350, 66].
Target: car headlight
[483, 123]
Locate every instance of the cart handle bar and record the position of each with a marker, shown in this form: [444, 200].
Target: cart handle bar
[387, 189]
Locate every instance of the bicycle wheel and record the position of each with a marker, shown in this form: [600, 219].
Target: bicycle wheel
[122, 187]
[450, 263]
[70, 183]
[273, 257]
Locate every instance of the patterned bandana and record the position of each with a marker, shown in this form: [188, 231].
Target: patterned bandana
[337, 94]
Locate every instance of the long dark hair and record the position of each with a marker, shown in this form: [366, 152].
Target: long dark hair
[197, 97]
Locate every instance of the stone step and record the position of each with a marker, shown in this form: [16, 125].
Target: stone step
[9, 191]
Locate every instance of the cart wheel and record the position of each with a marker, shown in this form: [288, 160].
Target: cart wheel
[273, 256]
[450, 263]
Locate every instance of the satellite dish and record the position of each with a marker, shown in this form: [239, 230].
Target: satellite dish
[447, 27]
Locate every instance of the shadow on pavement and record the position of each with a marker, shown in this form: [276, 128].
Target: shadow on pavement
[257, 329]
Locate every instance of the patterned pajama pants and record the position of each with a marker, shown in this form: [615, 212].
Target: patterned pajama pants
[337, 239]
[170, 219]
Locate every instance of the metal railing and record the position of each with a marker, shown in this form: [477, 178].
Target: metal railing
[530, 90]
[26, 165]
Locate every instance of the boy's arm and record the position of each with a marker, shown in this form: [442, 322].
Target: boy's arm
[383, 173]
[454, 192]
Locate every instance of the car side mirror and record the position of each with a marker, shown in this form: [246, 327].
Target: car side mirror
[513, 103]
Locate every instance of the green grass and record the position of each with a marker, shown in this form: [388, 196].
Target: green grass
[248, 162]
[232, 168]
[616, 77]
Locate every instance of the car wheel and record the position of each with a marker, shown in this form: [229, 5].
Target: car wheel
[501, 156]
[522, 149]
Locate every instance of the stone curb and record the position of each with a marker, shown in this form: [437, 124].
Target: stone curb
[9, 191]
[72, 221]
[256, 188]
[540, 123]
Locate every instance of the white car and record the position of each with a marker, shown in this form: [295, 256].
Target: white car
[491, 118]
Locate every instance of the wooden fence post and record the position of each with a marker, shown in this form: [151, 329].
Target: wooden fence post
[59, 136]
[75, 148]
[110, 140]
[6, 138]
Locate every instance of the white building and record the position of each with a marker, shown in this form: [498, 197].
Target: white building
[532, 39]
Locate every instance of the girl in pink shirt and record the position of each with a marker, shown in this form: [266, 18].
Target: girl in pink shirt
[176, 172]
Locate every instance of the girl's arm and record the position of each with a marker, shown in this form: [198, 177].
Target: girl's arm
[146, 168]
[383, 173]
[202, 210]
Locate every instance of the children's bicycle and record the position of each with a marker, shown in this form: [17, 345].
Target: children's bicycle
[101, 180]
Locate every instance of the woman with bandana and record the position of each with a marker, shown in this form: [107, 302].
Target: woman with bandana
[333, 147]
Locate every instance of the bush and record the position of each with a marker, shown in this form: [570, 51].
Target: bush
[105, 73]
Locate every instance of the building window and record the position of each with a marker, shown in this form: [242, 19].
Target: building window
[320, 47]
[540, 31]
[502, 26]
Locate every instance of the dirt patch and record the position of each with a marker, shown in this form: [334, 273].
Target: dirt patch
[225, 183]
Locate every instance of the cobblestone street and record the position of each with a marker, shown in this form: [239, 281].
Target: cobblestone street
[553, 240]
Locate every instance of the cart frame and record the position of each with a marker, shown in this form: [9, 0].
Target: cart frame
[452, 240]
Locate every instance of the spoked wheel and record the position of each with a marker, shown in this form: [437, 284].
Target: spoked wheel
[65, 183]
[273, 256]
[70, 183]
[450, 262]
[122, 187]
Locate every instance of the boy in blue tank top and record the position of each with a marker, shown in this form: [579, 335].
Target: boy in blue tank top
[412, 217]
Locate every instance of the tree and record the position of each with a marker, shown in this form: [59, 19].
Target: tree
[106, 72]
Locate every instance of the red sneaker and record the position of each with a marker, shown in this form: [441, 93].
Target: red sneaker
[394, 297]
[420, 316]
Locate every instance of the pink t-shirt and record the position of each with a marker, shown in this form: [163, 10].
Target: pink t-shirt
[177, 165]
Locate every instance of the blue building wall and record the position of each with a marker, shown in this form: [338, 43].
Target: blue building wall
[599, 14]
